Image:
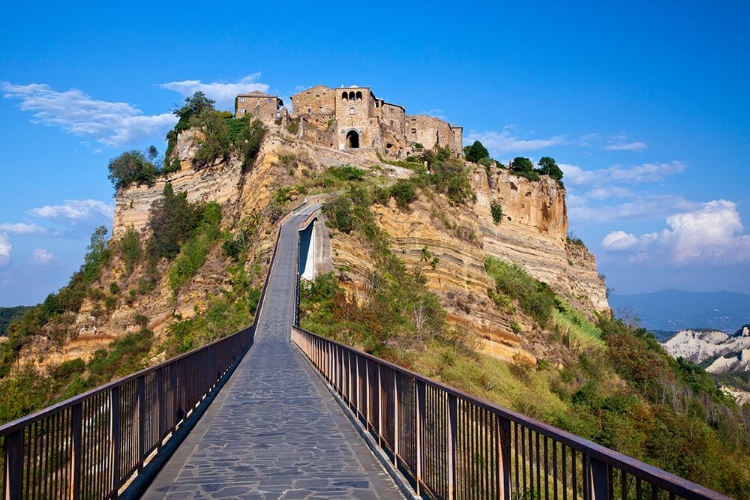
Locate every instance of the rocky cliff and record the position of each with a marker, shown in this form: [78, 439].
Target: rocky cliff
[726, 353]
[532, 234]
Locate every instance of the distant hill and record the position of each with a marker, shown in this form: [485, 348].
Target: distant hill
[675, 310]
[8, 314]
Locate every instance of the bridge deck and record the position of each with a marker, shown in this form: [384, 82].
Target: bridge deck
[274, 431]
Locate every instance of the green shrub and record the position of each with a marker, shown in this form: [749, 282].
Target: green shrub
[497, 211]
[536, 298]
[129, 248]
[69, 368]
[404, 193]
[338, 213]
[193, 253]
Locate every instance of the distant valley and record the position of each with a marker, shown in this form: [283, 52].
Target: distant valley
[674, 310]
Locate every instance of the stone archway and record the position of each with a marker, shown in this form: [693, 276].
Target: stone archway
[352, 139]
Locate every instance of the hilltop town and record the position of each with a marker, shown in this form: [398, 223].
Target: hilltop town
[352, 118]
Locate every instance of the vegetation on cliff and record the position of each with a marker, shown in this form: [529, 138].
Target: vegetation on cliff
[610, 383]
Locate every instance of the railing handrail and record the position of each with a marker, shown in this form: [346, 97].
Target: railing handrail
[650, 473]
[14, 425]
[174, 386]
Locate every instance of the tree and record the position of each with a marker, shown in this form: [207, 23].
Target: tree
[131, 167]
[215, 142]
[547, 166]
[476, 152]
[194, 106]
[521, 164]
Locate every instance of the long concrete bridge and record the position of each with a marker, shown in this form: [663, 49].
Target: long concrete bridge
[256, 415]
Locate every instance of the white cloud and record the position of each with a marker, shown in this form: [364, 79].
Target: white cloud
[500, 143]
[635, 174]
[110, 123]
[639, 206]
[42, 256]
[627, 146]
[21, 228]
[711, 234]
[222, 93]
[75, 210]
[5, 249]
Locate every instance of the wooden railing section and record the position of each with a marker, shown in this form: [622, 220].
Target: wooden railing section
[455, 446]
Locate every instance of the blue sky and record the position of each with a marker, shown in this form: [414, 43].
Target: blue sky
[645, 106]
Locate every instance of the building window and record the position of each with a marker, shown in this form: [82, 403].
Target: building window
[391, 123]
[309, 111]
[345, 96]
[242, 111]
[352, 111]
[242, 99]
[414, 131]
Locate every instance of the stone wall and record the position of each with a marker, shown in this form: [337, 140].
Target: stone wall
[429, 131]
[266, 108]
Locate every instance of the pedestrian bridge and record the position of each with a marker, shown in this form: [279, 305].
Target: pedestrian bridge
[257, 416]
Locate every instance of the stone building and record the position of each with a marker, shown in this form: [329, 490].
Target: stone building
[267, 108]
[354, 118]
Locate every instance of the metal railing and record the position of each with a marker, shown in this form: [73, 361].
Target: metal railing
[92, 445]
[453, 445]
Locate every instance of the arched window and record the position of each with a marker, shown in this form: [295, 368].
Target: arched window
[345, 96]
[351, 96]
[359, 96]
[352, 139]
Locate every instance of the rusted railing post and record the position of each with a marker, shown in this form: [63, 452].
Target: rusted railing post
[419, 394]
[452, 440]
[114, 438]
[503, 457]
[14, 465]
[598, 478]
[380, 406]
[396, 422]
[141, 388]
[76, 434]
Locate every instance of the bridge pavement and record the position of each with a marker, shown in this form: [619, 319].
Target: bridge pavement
[274, 431]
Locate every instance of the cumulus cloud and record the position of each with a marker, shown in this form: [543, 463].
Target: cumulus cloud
[500, 143]
[21, 228]
[585, 208]
[221, 92]
[110, 123]
[76, 210]
[634, 174]
[711, 234]
[42, 256]
[5, 249]
[627, 146]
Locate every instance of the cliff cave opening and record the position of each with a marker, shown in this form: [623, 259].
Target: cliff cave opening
[352, 139]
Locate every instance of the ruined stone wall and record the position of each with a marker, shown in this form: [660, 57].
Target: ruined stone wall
[264, 107]
[394, 117]
[428, 131]
[458, 139]
[316, 105]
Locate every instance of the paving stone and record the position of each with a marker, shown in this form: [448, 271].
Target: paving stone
[274, 431]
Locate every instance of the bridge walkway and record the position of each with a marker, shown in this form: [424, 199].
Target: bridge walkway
[274, 431]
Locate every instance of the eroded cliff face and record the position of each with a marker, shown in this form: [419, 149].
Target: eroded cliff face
[532, 234]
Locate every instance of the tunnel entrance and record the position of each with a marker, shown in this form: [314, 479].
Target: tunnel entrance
[352, 139]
